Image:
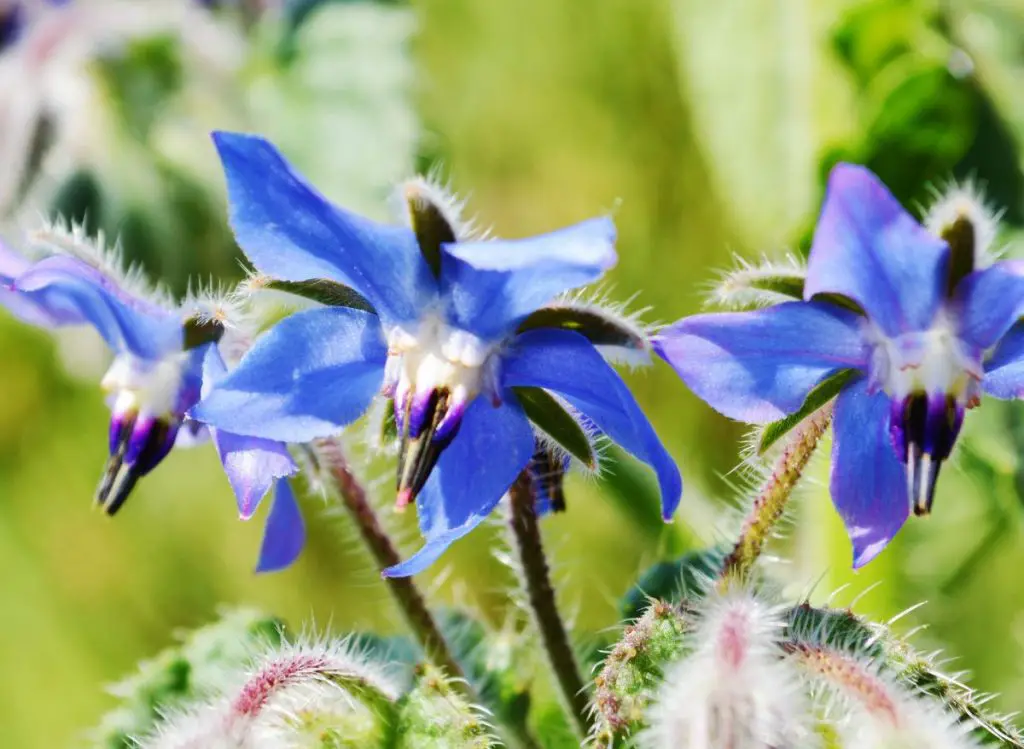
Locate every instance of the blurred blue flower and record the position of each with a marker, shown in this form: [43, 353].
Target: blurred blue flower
[435, 328]
[163, 361]
[925, 332]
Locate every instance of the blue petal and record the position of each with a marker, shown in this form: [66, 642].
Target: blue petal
[285, 534]
[252, 464]
[993, 300]
[20, 305]
[290, 231]
[867, 248]
[1004, 370]
[307, 377]
[868, 484]
[489, 452]
[12, 264]
[73, 291]
[490, 286]
[568, 364]
[758, 366]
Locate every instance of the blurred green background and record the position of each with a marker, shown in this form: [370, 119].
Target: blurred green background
[706, 128]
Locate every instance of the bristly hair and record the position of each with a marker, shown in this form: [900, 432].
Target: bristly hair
[226, 307]
[966, 200]
[432, 189]
[65, 237]
[598, 301]
[314, 673]
[757, 284]
[732, 689]
[869, 708]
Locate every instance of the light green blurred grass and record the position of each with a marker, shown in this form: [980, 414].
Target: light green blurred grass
[545, 113]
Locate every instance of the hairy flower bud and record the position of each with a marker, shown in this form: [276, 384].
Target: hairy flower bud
[732, 690]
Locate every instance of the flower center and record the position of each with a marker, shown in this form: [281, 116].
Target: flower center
[435, 373]
[931, 379]
[149, 401]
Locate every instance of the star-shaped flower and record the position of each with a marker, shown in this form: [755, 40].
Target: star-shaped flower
[917, 326]
[455, 331]
[165, 356]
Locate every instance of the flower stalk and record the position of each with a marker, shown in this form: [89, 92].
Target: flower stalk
[535, 580]
[408, 597]
[774, 493]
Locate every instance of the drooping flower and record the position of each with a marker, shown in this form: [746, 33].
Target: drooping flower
[459, 333]
[910, 327]
[165, 356]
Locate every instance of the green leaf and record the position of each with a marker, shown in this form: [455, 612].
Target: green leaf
[549, 415]
[768, 182]
[672, 581]
[321, 290]
[822, 394]
[600, 327]
[347, 77]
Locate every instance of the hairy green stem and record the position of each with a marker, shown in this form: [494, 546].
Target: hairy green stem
[774, 492]
[535, 580]
[408, 597]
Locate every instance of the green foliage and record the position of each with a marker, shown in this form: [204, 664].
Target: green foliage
[193, 670]
[432, 714]
[674, 581]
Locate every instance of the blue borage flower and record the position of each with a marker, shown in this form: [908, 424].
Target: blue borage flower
[913, 326]
[165, 357]
[456, 331]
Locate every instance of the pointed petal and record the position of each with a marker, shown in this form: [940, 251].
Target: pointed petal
[868, 484]
[867, 248]
[1004, 370]
[568, 364]
[466, 486]
[759, 366]
[290, 231]
[285, 534]
[490, 286]
[993, 300]
[252, 466]
[307, 377]
[71, 292]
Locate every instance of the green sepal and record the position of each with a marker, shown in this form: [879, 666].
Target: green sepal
[198, 332]
[784, 283]
[549, 415]
[960, 236]
[330, 293]
[431, 227]
[600, 329]
[822, 393]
